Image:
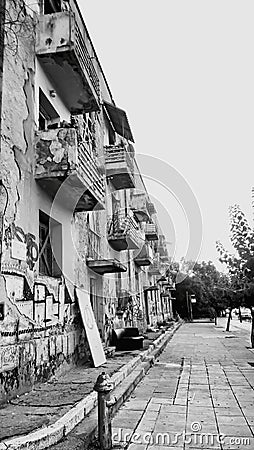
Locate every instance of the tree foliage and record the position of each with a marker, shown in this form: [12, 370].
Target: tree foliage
[18, 20]
[240, 265]
[209, 287]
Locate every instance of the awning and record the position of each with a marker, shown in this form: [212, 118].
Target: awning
[119, 120]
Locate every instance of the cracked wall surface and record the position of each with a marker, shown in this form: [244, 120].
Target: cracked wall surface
[40, 323]
[30, 348]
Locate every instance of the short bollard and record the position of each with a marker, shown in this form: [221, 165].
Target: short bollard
[103, 386]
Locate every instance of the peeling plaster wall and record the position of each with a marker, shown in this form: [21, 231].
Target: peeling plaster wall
[31, 349]
[41, 329]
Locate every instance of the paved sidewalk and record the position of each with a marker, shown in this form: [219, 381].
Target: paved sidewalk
[201, 385]
[52, 409]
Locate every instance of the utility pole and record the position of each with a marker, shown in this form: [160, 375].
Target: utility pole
[189, 306]
[187, 303]
[191, 313]
[229, 316]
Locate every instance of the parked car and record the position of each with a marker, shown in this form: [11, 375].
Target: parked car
[246, 314]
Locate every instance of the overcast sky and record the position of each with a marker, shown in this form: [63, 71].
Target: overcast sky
[184, 73]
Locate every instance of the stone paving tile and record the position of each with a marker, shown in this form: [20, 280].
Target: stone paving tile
[231, 420]
[162, 401]
[135, 405]
[226, 411]
[233, 430]
[238, 443]
[250, 418]
[174, 409]
[137, 447]
[153, 407]
[121, 434]
[150, 415]
[167, 440]
[145, 425]
[210, 391]
[207, 428]
[161, 447]
[128, 419]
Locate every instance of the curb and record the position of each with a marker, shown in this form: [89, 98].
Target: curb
[50, 435]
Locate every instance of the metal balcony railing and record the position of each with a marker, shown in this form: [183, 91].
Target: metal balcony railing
[155, 268]
[84, 58]
[122, 226]
[139, 205]
[151, 232]
[145, 256]
[119, 166]
[94, 245]
[119, 154]
[88, 169]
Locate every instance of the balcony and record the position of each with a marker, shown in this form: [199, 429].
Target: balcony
[151, 208]
[163, 252]
[139, 206]
[102, 266]
[63, 162]
[145, 257]
[155, 268]
[123, 232]
[65, 52]
[119, 167]
[165, 259]
[151, 232]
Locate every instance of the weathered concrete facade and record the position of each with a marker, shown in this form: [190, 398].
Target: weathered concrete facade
[74, 209]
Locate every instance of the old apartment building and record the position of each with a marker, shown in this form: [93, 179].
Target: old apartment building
[75, 212]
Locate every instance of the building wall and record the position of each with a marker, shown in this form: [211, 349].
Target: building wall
[40, 325]
[31, 349]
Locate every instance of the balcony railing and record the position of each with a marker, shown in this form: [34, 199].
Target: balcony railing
[123, 232]
[155, 268]
[63, 162]
[151, 232]
[151, 208]
[145, 256]
[85, 59]
[119, 166]
[139, 206]
[63, 48]
[94, 246]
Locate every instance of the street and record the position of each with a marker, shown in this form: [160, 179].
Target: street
[198, 394]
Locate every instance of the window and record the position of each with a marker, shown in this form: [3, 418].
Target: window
[48, 116]
[1, 311]
[50, 6]
[50, 237]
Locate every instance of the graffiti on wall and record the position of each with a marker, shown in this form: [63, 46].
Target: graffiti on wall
[9, 358]
[23, 245]
[44, 303]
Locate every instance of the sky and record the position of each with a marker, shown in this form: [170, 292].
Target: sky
[184, 73]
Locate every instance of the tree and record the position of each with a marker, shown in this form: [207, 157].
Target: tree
[240, 265]
[17, 19]
[208, 285]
